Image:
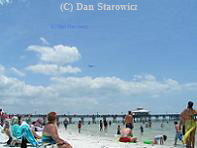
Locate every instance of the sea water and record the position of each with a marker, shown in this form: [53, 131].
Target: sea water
[168, 129]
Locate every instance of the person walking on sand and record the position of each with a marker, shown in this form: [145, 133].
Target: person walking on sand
[187, 118]
[129, 120]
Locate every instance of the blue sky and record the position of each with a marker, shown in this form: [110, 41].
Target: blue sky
[140, 58]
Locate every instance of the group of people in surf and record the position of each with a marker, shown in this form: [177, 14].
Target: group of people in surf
[187, 124]
[127, 134]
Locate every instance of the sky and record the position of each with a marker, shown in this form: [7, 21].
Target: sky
[91, 61]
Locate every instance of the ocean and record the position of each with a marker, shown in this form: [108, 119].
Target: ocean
[156, 129]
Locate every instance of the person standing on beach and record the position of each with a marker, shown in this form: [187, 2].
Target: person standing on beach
[187, 118]
[162, 124]
[129, 120]
[65, 122]
[110, 123]
[79, 126]
[149, 123]
[101, 125]
[141, 130]
[105, 125]
[118, 130]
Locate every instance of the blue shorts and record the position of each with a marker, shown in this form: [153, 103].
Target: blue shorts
[179, 136]
[129, 125]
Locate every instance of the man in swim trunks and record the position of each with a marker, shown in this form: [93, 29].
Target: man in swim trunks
[129, 120]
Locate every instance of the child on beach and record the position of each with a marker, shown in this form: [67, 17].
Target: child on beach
[159, 139]
[179, 134]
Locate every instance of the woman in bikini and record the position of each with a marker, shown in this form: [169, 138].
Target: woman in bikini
[188, 119]
[50, 134]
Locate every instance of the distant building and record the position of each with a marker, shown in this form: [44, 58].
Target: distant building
[141, 115]
[141, 111]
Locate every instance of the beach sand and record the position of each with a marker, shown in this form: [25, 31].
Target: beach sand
[89, 141]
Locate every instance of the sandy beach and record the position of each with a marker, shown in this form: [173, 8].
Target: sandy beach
[89, 141]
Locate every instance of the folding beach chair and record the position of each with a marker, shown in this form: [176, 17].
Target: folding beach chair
[21, 134]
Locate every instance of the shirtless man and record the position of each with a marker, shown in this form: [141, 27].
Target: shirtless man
[129, 120]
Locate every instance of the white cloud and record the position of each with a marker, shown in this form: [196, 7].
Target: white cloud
[2, 69]
[87, 94]
[5, 2]
[52, 69]
[58, 54]
[106, 85]
[18, 72]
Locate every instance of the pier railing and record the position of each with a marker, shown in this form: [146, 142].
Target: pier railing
[113, 118]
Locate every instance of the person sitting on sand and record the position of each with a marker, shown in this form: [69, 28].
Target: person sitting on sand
[6, 130]
[34, 130]
[159, 139]
[50, 133]
[125, 136]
